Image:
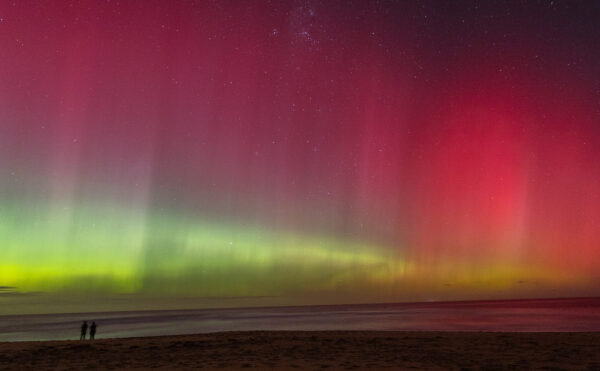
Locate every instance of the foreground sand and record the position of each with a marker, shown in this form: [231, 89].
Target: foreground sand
[319, 350]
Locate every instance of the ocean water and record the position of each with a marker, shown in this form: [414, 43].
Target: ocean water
[509, 315]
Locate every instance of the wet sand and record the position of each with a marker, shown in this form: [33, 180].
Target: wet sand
[314, 350]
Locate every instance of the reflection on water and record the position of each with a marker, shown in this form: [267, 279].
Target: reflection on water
[509, 315]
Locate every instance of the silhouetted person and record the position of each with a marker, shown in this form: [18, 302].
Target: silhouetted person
[92, 330]
[84, 327]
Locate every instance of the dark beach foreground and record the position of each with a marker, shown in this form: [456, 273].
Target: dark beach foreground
[314, 350]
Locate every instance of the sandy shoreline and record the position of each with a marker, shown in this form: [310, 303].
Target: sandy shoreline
[323, 350]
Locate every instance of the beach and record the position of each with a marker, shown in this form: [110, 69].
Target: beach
[314, 350]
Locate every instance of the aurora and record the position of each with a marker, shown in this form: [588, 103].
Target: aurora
[159, 154]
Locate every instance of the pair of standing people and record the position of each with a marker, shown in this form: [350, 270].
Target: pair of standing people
[84, 328]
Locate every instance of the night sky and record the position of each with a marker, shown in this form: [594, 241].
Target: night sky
[177, 154]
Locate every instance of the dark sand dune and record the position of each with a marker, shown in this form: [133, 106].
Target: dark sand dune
[314, 351]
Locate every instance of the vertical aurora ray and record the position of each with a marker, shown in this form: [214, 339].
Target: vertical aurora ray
[299, 152]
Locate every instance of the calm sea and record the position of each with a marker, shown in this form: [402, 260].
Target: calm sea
[510, 315]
